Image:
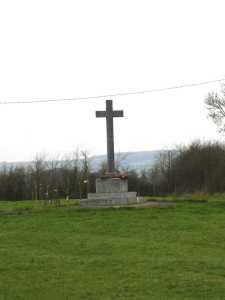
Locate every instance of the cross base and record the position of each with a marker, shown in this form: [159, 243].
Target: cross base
[111, 199]
[111, 191]
[111, 185]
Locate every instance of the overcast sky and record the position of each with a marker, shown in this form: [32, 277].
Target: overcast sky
[62, 49]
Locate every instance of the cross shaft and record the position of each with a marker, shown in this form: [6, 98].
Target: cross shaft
[109, 114]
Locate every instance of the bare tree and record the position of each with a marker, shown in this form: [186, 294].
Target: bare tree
[103, 167]
[85, 173]
[215, 104]
[38, 169]
[162, 174]
[53, 165]
[70, 173]
[120, 158]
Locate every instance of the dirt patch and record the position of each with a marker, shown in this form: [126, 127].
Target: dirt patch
[155, 204]
[147, 204]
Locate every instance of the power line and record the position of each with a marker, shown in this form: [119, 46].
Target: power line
[116, 94]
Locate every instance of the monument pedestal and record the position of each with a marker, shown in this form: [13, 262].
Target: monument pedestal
[111, 192]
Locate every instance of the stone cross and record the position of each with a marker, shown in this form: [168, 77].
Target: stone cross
[109, 114]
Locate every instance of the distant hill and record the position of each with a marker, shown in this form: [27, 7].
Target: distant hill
[138, 161]
[130, 160]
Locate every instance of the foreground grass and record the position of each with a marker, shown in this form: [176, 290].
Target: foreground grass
[167, 253]
[192, 197]
[32, 205]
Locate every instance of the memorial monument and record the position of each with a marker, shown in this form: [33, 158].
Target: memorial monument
[112, 187]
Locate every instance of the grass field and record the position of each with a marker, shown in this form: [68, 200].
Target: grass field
[126, 253]
[32, 206]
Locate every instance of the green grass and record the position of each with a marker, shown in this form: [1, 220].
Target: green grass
[127, 253]
[35, 205]
[194, 197]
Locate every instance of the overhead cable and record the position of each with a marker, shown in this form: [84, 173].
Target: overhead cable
[189, 85]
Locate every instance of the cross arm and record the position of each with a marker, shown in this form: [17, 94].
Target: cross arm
[100, 114]
[117, 113]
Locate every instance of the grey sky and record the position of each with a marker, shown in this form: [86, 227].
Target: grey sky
[57, 49]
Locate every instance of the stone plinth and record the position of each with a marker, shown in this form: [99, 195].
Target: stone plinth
[111, 192]
[110, 199]
[111, 185]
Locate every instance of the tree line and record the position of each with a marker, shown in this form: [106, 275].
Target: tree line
[46, 178]
[199, 167]
[60, 177]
